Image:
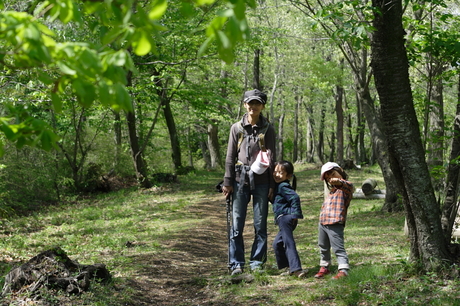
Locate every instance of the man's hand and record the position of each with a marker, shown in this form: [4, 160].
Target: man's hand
[270, 194]
[226, 190]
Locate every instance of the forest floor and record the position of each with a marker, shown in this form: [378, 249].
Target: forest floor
[167, 246]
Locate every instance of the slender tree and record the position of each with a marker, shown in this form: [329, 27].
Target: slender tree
[390, 64]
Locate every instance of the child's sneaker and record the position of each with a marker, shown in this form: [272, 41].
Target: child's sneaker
[340, 275]
[323, 271]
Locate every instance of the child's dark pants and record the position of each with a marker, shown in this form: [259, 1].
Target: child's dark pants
[284, 244]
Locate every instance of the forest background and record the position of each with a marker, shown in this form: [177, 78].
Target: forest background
[95, 92]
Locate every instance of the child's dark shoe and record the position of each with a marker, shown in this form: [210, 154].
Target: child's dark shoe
[300, 273]
[237, 271]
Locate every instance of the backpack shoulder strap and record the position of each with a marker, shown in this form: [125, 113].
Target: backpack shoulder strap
[262, 136]
[241, 134]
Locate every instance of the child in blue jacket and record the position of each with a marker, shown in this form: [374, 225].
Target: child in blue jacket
[286, 206]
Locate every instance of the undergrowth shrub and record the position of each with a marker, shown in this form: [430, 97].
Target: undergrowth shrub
[27, 180]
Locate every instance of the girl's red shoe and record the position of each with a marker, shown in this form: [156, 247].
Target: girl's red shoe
[339, 275]
[322, 271]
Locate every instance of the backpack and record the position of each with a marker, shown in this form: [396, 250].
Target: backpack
[260, 137]
[239, 166]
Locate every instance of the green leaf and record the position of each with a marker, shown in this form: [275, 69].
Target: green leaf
[158, 9]
[57, 102]
[6, 128]
[112, 35]
[85, 92]
[240, 10]
[66, 11]
[204, 2]
[92, 7]
[48, 139]
[223, 39]
[44, 77]
[118, 58]
[21, 141]
[66, 69]
[104, 94]
[204, 46]
[141, 44]
[187, 9]
[89, 59]
[122, 98]
[251, 3]
[115, 74]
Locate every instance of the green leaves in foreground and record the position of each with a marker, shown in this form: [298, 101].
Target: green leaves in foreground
[227, 29]
[30, 131]
[96, 73]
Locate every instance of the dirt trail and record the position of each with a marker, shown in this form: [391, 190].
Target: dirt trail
[190, 258]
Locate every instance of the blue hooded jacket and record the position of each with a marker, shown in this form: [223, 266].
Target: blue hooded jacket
[286, 201]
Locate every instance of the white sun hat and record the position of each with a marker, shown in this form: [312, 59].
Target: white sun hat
[326, 167]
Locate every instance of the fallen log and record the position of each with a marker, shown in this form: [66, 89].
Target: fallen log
[368, 186]
[376, 194]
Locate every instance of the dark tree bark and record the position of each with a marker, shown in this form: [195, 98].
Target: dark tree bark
[309, 139]
[295, 151]
[435, 126]
[140, 166]
[407, 157]
[280, 147]
[380, 148]
[376, 128]
[118, 137]
[165, 101]
[213, 143]
[173, 137]
[321, 134]
[361, 147]
[256, 70]
[340, 122]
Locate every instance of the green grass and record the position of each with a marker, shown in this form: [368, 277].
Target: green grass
[180, 254]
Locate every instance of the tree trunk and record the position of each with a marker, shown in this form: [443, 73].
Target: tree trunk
[213, 142]
[321, 134]
[190, 153]
[353, 150]
[138, 158]
[407, 158]
[362, 156]
[118, 137]
[165, 101]
[379, 142]
[295, 151]
[451, 203]
[380, 149]
[280, 148]
[340, 121]
[436, 123]
[173, 137]
[310, 137]
[140, 166]
[332, 143]
[256, 70]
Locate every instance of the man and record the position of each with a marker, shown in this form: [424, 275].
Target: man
[247, 138]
